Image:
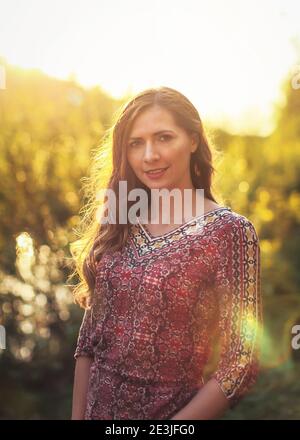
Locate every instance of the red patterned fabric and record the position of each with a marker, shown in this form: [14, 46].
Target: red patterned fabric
[157, 305]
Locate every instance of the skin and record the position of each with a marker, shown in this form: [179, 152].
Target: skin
[152, 151]
[172, 148]
[80, 387]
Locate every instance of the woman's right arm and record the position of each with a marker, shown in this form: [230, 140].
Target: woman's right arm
[84, 356]
[80, 388]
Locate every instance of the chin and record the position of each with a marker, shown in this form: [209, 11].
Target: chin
[157, 185]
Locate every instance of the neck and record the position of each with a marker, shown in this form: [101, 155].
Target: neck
[192, 204]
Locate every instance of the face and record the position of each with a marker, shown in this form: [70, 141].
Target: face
[157, 143]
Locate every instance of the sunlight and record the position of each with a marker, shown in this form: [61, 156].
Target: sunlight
[25, 255]
[228, 58]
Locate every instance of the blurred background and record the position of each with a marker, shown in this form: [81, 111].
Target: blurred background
[65, 68]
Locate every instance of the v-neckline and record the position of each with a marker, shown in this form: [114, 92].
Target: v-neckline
[156, 237]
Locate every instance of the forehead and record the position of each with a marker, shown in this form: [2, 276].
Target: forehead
[152, 120]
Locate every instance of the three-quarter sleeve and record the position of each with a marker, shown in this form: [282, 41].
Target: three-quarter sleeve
[84, 345]
[238, 290]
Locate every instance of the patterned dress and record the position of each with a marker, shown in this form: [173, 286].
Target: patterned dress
[159, 304]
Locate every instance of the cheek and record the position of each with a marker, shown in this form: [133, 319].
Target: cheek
[180, 157]
[133, 160]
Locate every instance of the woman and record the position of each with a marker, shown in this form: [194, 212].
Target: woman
[160, 297]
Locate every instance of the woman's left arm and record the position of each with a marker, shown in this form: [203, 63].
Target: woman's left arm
[239, 322]
[209, 403]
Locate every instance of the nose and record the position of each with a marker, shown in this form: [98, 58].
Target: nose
[150, 153]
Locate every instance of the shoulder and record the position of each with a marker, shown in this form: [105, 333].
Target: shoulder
[233, 224]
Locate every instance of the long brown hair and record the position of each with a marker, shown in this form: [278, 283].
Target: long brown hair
[109, 166]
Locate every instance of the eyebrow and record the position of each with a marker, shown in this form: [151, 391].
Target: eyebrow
[155, 134]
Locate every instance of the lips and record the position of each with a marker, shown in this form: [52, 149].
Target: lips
[156, 173]
[156, 170]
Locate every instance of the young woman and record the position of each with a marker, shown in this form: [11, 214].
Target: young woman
[159, 297]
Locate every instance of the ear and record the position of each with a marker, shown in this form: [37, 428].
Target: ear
[194, 143]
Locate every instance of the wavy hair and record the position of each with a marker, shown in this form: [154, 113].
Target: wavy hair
[109, 166]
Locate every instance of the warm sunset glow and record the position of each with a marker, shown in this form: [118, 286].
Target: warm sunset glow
[229, 57]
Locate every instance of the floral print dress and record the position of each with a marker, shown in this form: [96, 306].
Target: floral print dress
[158, 307]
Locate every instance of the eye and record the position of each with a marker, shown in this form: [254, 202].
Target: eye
[133, 144]
[165, 137]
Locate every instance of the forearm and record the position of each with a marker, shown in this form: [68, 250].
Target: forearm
[209, 403]
[80, 388]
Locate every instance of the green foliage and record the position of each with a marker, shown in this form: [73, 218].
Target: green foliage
[47, 131]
